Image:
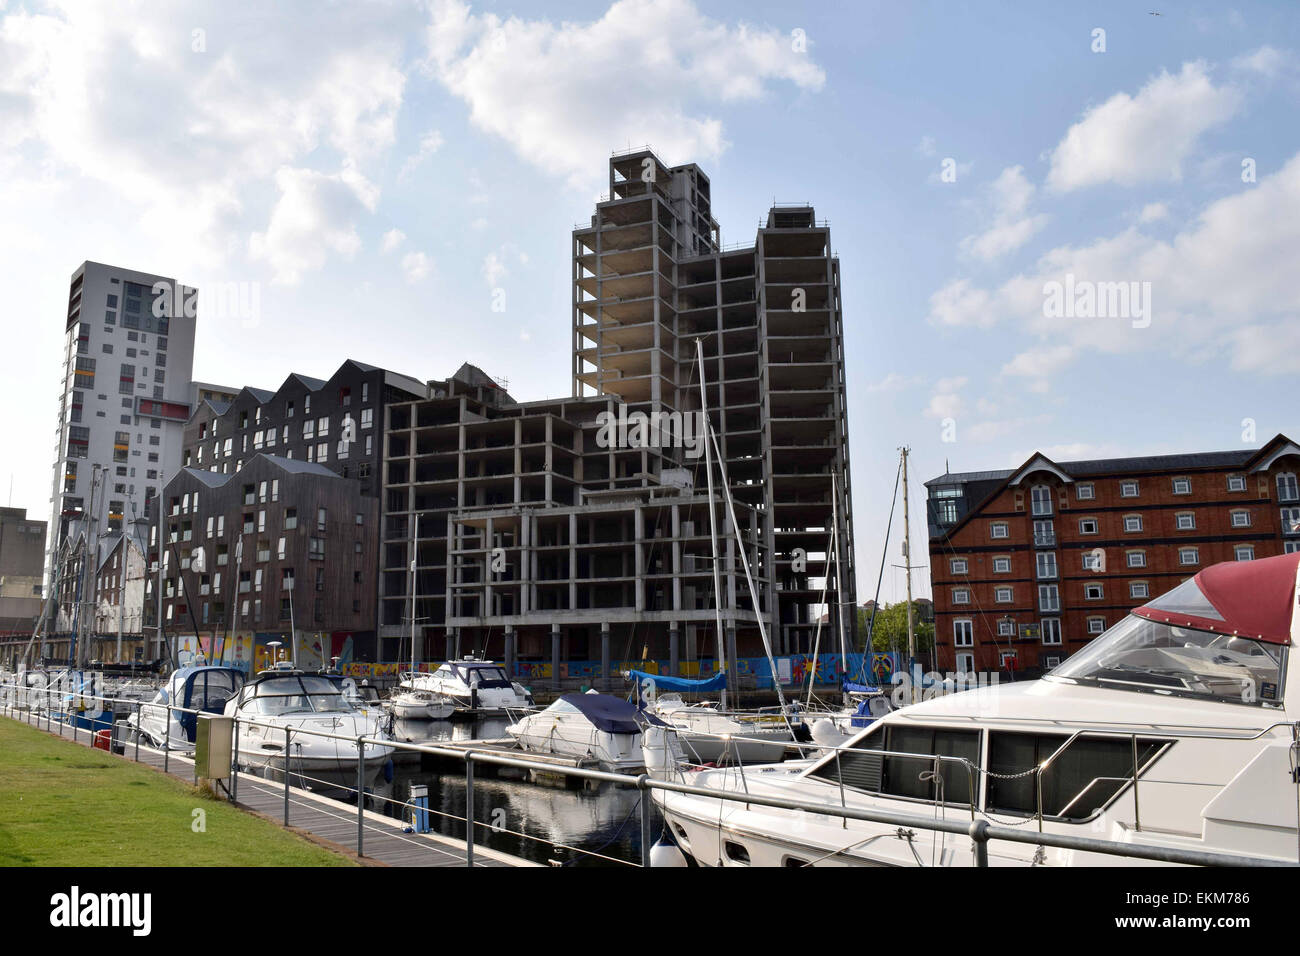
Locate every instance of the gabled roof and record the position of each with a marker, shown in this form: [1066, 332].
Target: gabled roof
[989, 484]
[295, 466]
[213, 479]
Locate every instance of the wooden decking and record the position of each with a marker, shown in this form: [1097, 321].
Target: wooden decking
[323, 820]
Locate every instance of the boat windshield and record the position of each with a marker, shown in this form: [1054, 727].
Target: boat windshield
[485, 677]
[297, 694]
[1143, 655]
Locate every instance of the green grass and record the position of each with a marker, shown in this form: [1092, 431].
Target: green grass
[63, 804]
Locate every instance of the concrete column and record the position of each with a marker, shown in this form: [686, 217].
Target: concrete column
[451, 647]
[457, 644]
[604, 653]
[674, 652]
[555, 656]
[729, 630]
[510, 652]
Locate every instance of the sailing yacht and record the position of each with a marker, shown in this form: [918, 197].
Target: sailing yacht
[1175, 728]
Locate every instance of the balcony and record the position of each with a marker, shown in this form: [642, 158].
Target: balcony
[1044, 539]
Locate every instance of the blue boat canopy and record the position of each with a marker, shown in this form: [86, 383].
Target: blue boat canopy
[679, 685]
[610, 714]
[851, 688]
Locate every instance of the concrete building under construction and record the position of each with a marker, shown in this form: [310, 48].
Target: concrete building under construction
[578, 529]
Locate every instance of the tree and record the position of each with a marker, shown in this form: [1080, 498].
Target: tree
[889, 631]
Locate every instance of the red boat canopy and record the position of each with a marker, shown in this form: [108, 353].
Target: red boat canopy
[1252, 599]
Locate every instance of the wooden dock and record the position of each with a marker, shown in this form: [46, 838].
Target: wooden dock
[325, 821]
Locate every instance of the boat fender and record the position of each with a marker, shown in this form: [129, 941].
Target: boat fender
[825, 733]
[801, 733]
[388, 770]
[666, 854]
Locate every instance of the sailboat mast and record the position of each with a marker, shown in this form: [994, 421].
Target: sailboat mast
[907, 558]
[835, 552]
[713, 521]
[415, 537]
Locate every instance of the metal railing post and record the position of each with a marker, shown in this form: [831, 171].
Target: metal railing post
[137, 732]
[839, 775]
[469, 808]
[234, 764]
[167, 737]
[361, 793]
[641, 782]
[979, 832]
[1137, 818]
[287, 732]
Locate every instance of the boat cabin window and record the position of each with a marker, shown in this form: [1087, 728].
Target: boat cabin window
[864, 767]
[1081, 780]
[303, 694]
[211, 689]
[485, 677]
[1138, 654]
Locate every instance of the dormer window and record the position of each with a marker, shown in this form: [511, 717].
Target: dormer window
[1041, 497]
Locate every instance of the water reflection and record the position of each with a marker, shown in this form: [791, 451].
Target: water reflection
[558, 819]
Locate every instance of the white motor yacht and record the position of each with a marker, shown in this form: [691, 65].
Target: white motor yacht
[595, 726]
[1175, 728]
[282, 701]
[476, 686]
[201, 688]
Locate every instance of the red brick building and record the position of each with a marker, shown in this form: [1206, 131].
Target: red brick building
[1029, 565]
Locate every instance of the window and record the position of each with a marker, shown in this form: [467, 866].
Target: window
[1051, 630]
[1087, 526]
[308, 430]
[1084, 491]
[1049, 597]
[1189, 556]
[1286, 487]
[1138, 589]
[323, 427]
[1291, 520]
[1083, 778]
[1182, 486]
[1135, 559]
[290, 518]
[1096, 625]
[963, 632]
[965, 663]
[999, 529]
[1185, 521]
[1001, 565]
[960, 595]
[367, 417]
[1003, 595]
[1236, 482]
[360, 519]
[323, 451]
[955, 565]
[1044, 534]
[1128, 489]
[1290, 547]
[1041, 496]
[320, 519]
[1006, 627]
[1093, 560]
[1244, 552]
[1240, 519]
[316, 549]
[1046, 564]
[1132, 523]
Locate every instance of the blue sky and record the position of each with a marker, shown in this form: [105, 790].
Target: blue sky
[380, 169]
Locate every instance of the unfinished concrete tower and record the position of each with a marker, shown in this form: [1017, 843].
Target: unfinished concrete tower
[649, 278]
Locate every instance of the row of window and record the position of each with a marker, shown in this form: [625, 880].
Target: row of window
[345, 399]
[319, 452]
[1134, 524]
[1041, 495]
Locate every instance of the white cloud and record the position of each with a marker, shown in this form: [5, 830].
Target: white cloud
[494, 270]
[1223, 286]
[946, 402]
[1144, 138]
[1008, 196]
[1153, 212]
[416, 266]
[893, 382]
[926, 146]
[960, 303]
[392, 239]
[560, 93]
[430, 143]
[1266, 61]
[316, 214]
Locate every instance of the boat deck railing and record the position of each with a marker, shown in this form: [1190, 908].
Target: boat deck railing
[15, 698]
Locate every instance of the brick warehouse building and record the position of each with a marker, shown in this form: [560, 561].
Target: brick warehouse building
[1029, 565]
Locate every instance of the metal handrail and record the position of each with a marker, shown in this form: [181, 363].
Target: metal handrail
[980, 831]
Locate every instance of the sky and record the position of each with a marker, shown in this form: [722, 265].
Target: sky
[397, 182]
